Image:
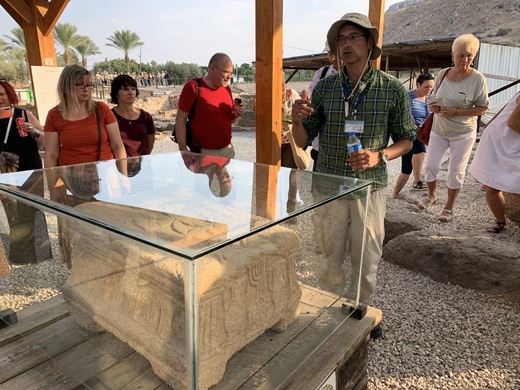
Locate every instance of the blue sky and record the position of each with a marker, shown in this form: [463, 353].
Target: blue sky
[191, 31]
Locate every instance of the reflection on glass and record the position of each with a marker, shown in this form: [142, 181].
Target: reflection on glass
[186, 275]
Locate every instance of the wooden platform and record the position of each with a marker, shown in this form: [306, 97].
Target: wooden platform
[47, 350]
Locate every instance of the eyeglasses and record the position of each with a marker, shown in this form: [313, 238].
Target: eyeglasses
[350, 38]
[83, 86]
[92, 181]
[224, 72]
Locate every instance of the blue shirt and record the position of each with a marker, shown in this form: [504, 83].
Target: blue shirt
[420, 109]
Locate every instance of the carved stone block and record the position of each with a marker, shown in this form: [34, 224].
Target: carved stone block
[138, 293]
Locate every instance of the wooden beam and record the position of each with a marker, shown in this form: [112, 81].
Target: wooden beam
[376, 14]
[37, 19]
[269, 80]
[51, 17]
[19, 10]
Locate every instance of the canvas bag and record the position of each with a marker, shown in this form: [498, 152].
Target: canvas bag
[301, 156]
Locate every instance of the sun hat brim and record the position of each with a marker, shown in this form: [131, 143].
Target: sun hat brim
[359, 20]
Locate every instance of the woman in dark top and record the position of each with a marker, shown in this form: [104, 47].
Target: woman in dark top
[136, 125]
[23, 139]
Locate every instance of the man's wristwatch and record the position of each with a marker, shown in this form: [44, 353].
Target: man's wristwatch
[383, 157]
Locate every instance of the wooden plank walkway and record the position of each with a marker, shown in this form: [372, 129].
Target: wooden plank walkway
[47, 350]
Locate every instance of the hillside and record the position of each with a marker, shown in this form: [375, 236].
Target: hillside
[495, 19]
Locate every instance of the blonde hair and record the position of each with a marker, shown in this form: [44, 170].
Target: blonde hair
[68, 101]
[467, 42]
[80, 185]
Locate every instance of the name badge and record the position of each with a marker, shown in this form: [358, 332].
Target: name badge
[354, 126]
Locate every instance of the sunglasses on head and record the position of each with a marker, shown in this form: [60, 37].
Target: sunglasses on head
[425, 77]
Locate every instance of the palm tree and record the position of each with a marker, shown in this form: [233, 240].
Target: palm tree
[4, 47]
[65, 35]
[19, 42]
[86, 47]
[125, 40]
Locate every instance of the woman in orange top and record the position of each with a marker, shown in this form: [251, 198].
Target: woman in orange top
[71, 129]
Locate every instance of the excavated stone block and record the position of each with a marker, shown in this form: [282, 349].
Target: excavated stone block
[139, 293]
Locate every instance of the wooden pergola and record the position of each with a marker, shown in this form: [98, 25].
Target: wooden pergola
[37, 18]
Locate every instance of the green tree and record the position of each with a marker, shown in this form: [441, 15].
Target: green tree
[65, 36]
[4, 47]
[18, 42]
[125, 40]
[74, 59]
[86, 47]
[180, 73]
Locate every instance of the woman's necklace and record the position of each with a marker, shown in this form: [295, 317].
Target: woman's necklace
[126, 117]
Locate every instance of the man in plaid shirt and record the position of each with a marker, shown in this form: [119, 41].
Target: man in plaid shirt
[376, 106]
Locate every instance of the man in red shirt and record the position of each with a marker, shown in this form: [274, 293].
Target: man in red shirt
[214, 110]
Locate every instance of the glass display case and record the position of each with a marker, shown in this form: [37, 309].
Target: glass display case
[177, 270]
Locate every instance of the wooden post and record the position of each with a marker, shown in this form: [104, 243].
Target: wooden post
[266, 179]
[37, 19]
[268, 80]
[376, 14]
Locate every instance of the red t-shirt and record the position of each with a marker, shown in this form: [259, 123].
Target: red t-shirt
[79, 139]
[212, 118]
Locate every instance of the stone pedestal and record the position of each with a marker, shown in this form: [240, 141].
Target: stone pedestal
[138, 293]
[512, 206]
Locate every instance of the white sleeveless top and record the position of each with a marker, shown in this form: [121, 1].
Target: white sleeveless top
[497, 159]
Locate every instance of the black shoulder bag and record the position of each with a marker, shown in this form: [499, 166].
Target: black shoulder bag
[98, 121]
[188, 126]
[324, 71]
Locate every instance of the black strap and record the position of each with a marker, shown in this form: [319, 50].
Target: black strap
[99, 131]
[192, 110]
[325, 71]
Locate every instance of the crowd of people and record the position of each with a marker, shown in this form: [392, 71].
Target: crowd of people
[143, 79]
[81, 130]
[350, 96]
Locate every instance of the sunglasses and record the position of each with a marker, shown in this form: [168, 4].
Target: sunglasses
[425, 77]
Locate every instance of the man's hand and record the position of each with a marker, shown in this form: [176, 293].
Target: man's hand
[188, 158]
[363, 159]
[301, 109]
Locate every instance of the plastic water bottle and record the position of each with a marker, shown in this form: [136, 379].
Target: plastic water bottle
[353, 143]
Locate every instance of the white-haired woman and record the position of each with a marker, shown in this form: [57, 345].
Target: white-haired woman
[463, 94]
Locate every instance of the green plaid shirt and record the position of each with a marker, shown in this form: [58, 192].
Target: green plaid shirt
[385, 109]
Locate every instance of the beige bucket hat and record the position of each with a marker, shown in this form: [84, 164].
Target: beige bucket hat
[357, 19]
[326, 48]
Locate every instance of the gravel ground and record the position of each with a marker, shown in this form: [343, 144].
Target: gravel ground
[436, 336]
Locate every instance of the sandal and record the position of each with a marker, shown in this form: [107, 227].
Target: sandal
[426, 203]
[499, 226]
[419, 186]
[445, 216]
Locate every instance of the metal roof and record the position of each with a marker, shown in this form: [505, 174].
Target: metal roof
[397, 56]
